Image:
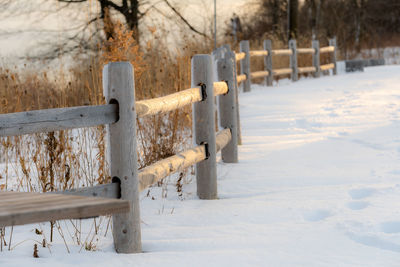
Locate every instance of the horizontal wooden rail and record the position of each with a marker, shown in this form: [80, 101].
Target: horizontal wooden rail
[258, 53]
[48, 120]
[327, 49]
[168, 103]
[282, 71]
[282, 52]
[240, 56]
[112, 190]
[259, 74]
[222, 138]
[327, 66]
[161, 169]
[220, 88]
[17, 208]
[306, 69]
[305, 51]
[241, 78]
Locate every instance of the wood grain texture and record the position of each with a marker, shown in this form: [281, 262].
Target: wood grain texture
[259, 74]
[305, 51]
[161, 169]
[258, 53]
[293, 60]
[327, 49]
[245, 65]
[316, 59]
[48, 120]
[327, 66]
[17, 208]
[168, 103]
[236, 88]
[282, 71]
[282, 52]
[241, 78]
[111, 190]
[204, 127]
[228, 107]
[268, 63]
[306, 69]
[332, 42]
[220, 88]
[118, 85]
[223, 138]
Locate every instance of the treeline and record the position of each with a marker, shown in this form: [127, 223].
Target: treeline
[357, 24]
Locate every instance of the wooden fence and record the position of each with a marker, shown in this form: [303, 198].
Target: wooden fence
[120, 116]
[268, 53]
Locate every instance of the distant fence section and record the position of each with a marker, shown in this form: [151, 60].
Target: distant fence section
[245, 54]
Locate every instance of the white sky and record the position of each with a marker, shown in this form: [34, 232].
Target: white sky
[198, 12]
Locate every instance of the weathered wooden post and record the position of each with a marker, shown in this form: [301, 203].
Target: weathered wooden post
[268, 63]
[315, 59]
[204, 126]
[239, 130]
[119, 87]
[293, 60]
[245, 65]
[227, 105]
[218, 54]
[332, 42]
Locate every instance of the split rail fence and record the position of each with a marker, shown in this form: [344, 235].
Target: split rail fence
[293, 70]
[121, 197]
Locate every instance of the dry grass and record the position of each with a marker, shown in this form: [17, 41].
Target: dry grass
[68, 159]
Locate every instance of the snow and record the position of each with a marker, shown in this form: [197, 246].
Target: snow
[317, 185]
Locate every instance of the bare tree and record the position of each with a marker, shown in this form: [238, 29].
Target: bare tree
[87, 30]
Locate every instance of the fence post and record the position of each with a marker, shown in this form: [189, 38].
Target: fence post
[218, 55]
[119, 87]
[227, 105]
[204, 126]
[293, 60]
[236, 88]
[332, 42]
[245, 65]
[268, 63]
[315, 58]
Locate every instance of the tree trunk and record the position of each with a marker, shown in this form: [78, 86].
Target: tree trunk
[132, 18]
[293, 12]
[130, 11]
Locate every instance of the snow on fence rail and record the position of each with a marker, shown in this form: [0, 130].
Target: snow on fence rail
[120, 115]
[245, 54]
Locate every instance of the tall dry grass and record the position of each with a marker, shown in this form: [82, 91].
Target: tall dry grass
[68, 159]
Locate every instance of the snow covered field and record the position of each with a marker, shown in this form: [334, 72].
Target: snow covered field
[318, 184]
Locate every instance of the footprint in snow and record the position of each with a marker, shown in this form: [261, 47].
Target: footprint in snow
[357, 205]
[361, 193]
[372, 235]
[374, 240]
[390, 227]
[316, 215]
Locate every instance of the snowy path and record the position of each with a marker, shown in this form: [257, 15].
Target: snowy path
[318, 184]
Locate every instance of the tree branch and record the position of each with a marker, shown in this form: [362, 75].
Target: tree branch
[72, 1]
[184, 20]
